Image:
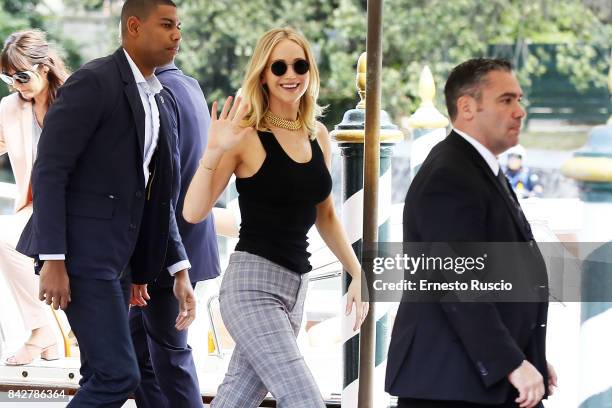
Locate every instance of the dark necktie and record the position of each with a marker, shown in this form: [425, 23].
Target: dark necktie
[501, 177]
[503, 180]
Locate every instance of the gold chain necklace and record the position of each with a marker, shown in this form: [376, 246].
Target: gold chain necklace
[282, 123]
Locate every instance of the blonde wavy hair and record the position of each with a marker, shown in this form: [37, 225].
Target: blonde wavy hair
[256, 93]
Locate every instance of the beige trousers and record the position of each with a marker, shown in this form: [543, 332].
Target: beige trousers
[18, 271]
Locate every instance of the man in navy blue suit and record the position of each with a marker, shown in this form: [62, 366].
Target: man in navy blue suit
[167, 368]
[103, 201]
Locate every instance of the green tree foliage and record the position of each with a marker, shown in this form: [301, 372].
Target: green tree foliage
[18, 14]
[19, 7]
[442, 33]
[219, 36]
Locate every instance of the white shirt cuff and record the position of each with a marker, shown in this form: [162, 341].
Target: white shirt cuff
[179, 266]
[52, 257]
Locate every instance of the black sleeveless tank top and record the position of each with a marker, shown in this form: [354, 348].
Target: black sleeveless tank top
[278, 204]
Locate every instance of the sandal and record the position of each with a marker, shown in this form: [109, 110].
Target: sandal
[29, 352]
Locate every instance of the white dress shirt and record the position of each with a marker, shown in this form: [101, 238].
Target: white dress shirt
[486, 154]
[147, 88]
[36, 132]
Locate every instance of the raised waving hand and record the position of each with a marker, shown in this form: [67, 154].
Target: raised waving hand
[225, 131]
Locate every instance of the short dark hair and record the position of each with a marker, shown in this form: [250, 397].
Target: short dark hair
[140, 9]
[467, 78]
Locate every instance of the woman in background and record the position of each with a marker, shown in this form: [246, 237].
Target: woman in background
[31, 68]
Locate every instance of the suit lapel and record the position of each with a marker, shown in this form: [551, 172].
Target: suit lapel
[131, 92]
[133, 97]
[476, 158]
[164, 139]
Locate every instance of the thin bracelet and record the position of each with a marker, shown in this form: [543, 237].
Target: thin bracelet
[205, 167]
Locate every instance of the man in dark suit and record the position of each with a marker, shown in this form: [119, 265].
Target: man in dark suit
[168, 372]
[471, 354]
[103, 212]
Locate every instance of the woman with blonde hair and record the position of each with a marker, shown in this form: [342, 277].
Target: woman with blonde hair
[281, 156]
[33, 70]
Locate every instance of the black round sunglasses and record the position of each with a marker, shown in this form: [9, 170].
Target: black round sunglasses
[279, 67]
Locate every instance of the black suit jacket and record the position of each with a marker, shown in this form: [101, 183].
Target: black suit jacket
[90, 199]
[463, 351]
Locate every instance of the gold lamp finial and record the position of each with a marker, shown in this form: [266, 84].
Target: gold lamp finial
[427, 116]
[427, 87]
[352, 127]
[360, 80]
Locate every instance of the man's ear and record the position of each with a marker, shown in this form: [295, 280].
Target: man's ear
[133, 25]
[466, 107]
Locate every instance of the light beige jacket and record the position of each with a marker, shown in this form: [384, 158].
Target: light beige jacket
[16, 139]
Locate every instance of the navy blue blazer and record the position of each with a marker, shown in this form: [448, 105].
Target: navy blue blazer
[90, 199]
[193, 119]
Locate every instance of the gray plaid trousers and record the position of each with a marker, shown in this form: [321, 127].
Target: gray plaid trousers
[262, 304]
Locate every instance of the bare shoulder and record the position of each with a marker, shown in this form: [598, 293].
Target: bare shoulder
[250, 155]
[250, 138]
[247, 144]
[322, 131]
[323, 137]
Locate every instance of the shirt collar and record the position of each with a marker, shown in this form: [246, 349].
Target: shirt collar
[486, 154]
[151, 83]
[167, 67]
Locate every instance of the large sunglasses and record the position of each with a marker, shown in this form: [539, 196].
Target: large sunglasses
[23, 77]
[279, 67]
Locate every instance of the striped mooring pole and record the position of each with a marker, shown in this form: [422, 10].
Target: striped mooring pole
[349, 135]
[591, 166]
